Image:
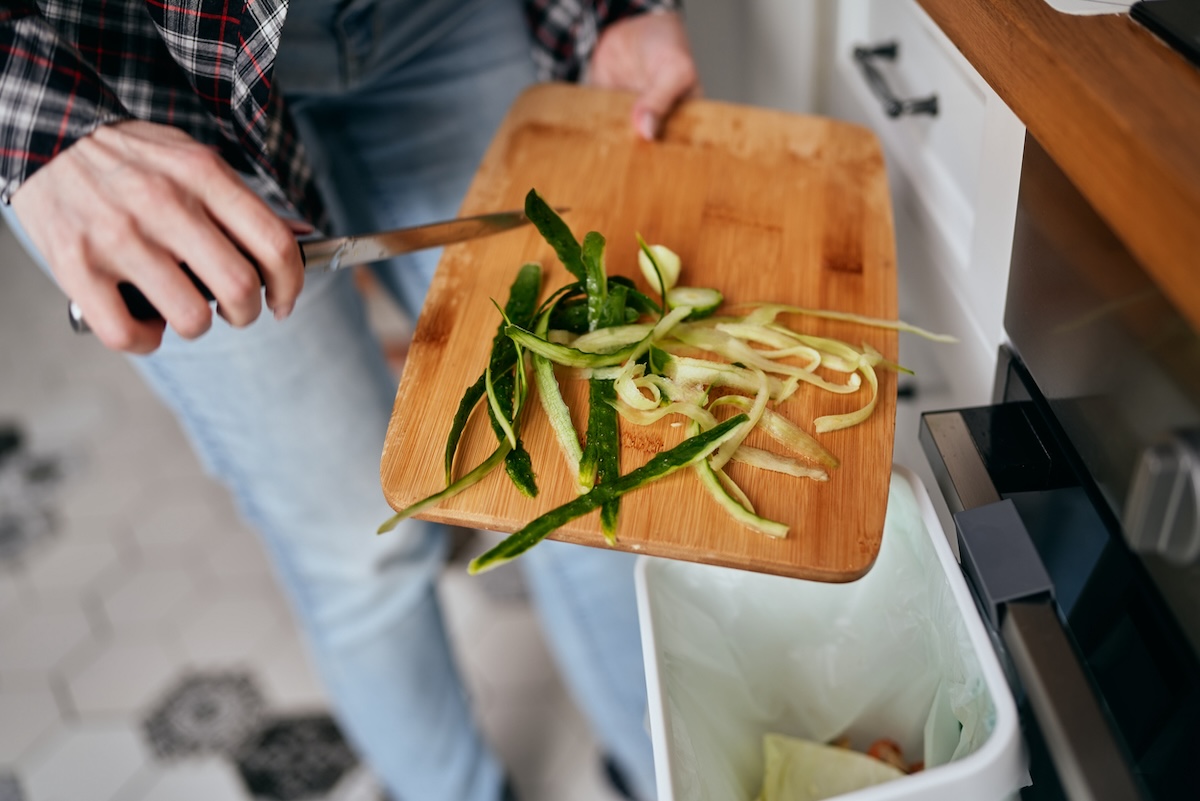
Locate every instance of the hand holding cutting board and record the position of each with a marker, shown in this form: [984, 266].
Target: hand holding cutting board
[647, 54]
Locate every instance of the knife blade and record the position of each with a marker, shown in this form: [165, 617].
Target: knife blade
[338, 253]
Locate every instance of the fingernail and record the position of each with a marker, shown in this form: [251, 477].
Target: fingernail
[300, 227]
[648, 126]
[281, 312]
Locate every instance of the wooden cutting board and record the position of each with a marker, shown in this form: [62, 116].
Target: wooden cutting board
[762, 205]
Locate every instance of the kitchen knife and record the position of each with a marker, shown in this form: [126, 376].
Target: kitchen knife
[336, 253]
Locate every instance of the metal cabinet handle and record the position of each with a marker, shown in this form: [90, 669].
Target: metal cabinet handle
[892, 105]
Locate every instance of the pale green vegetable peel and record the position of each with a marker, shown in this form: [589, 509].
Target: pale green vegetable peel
[801, 770]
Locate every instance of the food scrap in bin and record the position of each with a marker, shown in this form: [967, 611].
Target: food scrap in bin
[795, 769]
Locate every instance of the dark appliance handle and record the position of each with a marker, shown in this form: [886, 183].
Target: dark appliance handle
[1016, 594]
[892, 105]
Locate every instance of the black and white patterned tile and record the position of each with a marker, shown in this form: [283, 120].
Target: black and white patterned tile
[295, 758]
[205, 713]
[28, 483]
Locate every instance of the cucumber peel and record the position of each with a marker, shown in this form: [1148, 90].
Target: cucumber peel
[660, 266]
[703, 301]
[640, 359]
[556, 233]
[661, 464]
[522, 301]
[469, 480]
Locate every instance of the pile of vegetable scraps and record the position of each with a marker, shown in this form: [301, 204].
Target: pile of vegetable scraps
[647, 356]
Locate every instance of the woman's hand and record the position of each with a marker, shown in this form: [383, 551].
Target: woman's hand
[647, 54]
[130, 202]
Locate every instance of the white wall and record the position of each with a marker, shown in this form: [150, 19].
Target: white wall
[761, 52]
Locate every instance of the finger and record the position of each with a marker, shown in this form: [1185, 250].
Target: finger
[156, 272]
[300, 227]
[197, 241]
[249, 222]
[110, 321]
[667, 87]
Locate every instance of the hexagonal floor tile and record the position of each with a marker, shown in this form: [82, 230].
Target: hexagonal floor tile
[92, 762]
[229, 628]
[282, 665]
[123, 677]
[507, 655]
[196, 780]
[62, 422]
[204, 713]
[82, 525]
[102, 489]
[357, 785]
[28, 490]
[25, 716]
[40, 640]
[71, 568]
[295, 758]
[16, 594]
[176, 516]
[239, 557]
[149, 598]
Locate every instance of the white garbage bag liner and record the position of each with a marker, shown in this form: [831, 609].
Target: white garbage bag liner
[901, 653]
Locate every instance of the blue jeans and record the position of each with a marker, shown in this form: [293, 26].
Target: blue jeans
[396, 101]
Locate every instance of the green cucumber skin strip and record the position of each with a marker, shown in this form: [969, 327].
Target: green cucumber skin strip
[556, 233]
[551, 397]
[517, 464]
[659, 465]
[662, 286]
[522, 302]
[469, 480]
[504, 387]
[565, 355]
[597, 281]
[604, 310]
[604, 436]
[572, 315]
[638, 300]
[613, 312]
[519, 467]
[521, 306]
[733, 507]
[470, 400]
[556, 410]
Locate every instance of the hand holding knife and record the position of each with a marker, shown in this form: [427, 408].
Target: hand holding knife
[336, 253]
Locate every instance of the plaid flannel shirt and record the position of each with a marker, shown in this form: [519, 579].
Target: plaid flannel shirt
[205, 66]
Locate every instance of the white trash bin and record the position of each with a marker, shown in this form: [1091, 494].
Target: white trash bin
[900, 654]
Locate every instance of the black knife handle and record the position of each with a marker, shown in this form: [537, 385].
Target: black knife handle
[139, 306]
[141, 309]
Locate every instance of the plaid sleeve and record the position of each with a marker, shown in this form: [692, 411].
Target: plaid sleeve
[565, 31]
[49, 97]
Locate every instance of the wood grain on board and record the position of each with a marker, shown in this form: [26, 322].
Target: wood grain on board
[762, 205]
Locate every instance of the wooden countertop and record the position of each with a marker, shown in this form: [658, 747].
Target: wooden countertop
[1116, 109]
